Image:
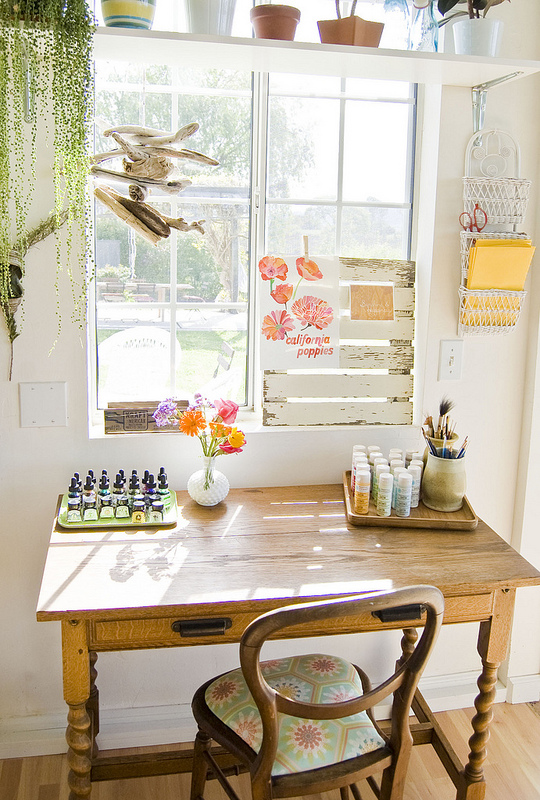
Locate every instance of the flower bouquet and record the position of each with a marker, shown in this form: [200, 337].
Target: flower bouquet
[212, 423]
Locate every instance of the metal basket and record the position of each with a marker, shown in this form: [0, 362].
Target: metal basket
[467, 240]
[493, 311]
[492, 169]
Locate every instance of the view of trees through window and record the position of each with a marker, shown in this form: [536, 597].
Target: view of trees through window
[335, 165]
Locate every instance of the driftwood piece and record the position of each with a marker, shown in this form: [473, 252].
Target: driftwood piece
[181, 225]
[157, 167]
[139, 193]
[170, 152]
[109, 198]
[170, 187]
[141, 135]
[133, 152]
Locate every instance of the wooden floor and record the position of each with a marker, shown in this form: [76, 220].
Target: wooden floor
[512, 767]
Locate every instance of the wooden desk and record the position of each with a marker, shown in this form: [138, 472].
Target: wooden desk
[261, 549]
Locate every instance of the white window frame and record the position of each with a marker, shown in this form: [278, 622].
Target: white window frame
[260, 96]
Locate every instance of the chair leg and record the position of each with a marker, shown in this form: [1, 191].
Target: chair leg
[200, 766]
[344, 792]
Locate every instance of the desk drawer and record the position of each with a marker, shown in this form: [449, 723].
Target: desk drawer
[134, 634]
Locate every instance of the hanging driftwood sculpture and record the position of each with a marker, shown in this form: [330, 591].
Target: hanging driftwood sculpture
[147, 165]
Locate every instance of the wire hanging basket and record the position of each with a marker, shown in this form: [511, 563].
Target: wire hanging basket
[496, 187]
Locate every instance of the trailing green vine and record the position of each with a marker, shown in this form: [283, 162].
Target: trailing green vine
[45, 64]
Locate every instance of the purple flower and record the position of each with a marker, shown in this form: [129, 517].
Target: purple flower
[163, 412]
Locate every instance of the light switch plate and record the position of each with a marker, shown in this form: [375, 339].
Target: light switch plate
[450, 359]
[43, 404]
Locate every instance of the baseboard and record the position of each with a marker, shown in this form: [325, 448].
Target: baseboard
[139, 727]
[524, 689]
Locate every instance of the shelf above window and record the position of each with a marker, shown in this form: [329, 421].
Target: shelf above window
[265, 55]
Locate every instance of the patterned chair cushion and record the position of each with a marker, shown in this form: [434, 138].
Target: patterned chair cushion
[303, 743]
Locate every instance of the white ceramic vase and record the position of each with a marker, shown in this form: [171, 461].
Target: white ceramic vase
[210, 16]
[208, 486]
[477, 37]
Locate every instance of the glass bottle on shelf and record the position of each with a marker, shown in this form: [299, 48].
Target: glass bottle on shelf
[397, 25]
[424, 29]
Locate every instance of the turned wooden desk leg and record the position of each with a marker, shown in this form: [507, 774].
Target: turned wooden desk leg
[408, 643]
[76, 670]
[493, 642]
[92, 705]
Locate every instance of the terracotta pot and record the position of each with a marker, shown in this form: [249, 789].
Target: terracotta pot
[274, 22]
[350, 30]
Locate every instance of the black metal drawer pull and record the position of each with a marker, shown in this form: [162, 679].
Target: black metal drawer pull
[400, 613]
[202, 627]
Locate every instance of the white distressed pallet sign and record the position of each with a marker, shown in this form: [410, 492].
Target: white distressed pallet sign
[374, 385]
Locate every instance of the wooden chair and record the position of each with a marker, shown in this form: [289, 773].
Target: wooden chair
[304, 724]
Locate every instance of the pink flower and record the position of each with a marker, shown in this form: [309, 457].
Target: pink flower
[308, 269]
[272, 267]
[313, 311]
[276, 325]
[227, 410]
[282, 293]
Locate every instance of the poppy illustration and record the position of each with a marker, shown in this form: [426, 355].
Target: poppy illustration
[277, 325]
[272, 267]
[308, 269]
[282, 292]
[313, 311]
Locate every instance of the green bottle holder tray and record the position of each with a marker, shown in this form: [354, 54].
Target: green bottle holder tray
[170, 515]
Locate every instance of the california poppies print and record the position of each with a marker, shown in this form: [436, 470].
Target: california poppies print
[294, 330]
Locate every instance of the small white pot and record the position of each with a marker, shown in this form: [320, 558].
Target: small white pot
[210, 16]
[477, 37]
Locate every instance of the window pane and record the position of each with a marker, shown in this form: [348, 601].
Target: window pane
[303, 148]
[376, 152]
[288, 224]
[375, 233]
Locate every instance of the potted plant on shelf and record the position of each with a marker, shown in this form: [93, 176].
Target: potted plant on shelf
[274, 21]
[45, 70]
[475, 34]
[350, 30]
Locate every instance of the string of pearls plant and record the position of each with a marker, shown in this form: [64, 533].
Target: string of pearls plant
[45, 66]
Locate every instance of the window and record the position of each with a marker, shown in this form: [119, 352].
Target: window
[327, 158]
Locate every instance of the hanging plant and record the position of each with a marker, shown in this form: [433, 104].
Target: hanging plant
[45, 66]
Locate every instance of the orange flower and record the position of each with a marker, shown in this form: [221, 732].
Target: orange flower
[219, 430]
[192, 422]
[276, 325]
[272, 267]
[282, 293]
[308, 269]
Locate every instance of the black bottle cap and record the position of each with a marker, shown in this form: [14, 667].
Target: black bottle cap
[119, 483]
[146, 476]
[74, 485]
[151, 483]
[122, 474]
[163, 481]
[91, 475]
[134, 482]
[89, 485]
[104, 481]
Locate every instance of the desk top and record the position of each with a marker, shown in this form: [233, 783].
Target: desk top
[263, 545]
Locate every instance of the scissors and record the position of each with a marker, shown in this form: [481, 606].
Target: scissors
[477, 222]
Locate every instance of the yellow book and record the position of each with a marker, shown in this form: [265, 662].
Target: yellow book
[499, 264]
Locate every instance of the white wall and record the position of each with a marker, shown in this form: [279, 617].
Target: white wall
[496, 404]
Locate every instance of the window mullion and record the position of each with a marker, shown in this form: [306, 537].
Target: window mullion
[339, 192]
[258, 220]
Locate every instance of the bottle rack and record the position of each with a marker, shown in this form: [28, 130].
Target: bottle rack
[491, 153]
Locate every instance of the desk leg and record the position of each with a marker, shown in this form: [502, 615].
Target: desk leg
[92, 705]
[493, 642]
[76, 669]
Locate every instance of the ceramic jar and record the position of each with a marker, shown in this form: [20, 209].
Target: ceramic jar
[128, 13]
[443, 483]
[478, 37]
[208, 486]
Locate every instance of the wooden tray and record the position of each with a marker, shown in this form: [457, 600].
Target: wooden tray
[169, 518]
[422, 517]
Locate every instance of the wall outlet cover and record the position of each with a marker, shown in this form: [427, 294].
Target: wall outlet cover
[43, 405]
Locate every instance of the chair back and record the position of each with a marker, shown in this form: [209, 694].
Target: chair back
[412, 603]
